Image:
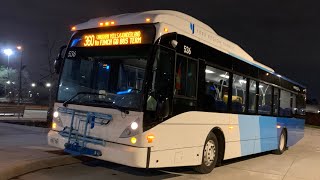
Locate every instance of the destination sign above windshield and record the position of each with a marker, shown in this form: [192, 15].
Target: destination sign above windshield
[113, 37]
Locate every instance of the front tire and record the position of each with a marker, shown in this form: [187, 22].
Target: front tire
[282, 144]
[210, 155]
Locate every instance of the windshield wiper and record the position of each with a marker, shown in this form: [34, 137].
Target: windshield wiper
[111, 103]
[122, 109]
[65, 104]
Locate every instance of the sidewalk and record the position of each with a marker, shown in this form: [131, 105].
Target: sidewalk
[24, 149]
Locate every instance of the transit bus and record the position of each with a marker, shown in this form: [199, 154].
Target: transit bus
[161, 89]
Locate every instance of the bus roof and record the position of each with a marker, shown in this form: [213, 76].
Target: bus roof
[187, 25]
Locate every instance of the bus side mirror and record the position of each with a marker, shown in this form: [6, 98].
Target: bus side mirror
[58, 61]
[163, 108]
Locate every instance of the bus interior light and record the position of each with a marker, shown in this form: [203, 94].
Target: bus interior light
[150, 138]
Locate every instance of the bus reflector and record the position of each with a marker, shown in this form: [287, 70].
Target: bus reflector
[278, 126]
[148, 19]
[166, 29]
[133, 140]
[73, 28]
[107, 23]
[101, 24]
[230, 127]
[54, 125]
[150, 138]
[112, 22]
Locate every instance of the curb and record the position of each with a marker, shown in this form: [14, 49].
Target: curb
[33, 165]
[25, 127]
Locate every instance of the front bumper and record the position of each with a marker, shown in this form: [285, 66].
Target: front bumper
[113, 152]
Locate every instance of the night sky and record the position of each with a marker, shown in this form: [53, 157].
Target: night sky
[281, 34]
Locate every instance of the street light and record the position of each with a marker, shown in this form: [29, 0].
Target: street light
[33, 84]
[48, 85]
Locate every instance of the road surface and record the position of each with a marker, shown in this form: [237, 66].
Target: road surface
[300, 162]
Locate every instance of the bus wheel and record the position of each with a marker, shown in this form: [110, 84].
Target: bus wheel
[282, 144]
[210, 155]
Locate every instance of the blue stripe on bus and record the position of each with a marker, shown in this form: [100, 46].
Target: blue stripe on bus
[260, 133]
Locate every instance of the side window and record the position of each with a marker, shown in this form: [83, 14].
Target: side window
[294, 103]
[276, 98]
[217, 87]
[301, 104]
[186, 77]
[265, 99]
[252, 96]
[285, 103]
[239, 88]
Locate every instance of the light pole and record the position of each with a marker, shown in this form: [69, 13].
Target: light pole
[8, 53]
[48, 85]
[20, 73]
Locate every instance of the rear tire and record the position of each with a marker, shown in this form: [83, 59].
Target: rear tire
[210, 155]
[282, 144]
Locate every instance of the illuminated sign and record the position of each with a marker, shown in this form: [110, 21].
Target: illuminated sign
[112, 38]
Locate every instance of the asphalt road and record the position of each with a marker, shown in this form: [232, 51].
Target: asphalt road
[301, 161]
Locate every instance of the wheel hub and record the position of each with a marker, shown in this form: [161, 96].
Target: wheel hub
[209, 153]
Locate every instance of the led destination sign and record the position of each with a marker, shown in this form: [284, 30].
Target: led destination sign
[110, 39]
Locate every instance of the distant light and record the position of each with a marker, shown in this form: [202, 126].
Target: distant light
[8, 82]
[73, 28]
[67, 88]
[13, 82]
[8, 52]
[267, 74]
[224, 76]
[278, 126]
[48, 85]
[209, 71]
[19, 47]
[33, 84]
[148, 19]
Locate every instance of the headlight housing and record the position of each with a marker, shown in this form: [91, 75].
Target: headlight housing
[132, 130]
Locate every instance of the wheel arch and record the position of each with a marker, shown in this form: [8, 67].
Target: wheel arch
[218, 132]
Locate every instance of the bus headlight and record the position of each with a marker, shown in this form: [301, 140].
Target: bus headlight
[131, 130]
[56, 114]
[134, 125]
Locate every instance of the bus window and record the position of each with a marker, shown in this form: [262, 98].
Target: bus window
[186, 77]
[252, 96]
[285, 103]
[161, 77]
[265, 99]
[217, 87]
[294, 103]
[239, 87]
[301, 104]
[276, 99]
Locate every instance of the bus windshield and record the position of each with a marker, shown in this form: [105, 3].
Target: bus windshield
[116, 80]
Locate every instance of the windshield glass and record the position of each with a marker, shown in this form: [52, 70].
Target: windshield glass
[118, 80]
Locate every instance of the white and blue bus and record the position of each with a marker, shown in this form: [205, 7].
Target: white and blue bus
[162, 89]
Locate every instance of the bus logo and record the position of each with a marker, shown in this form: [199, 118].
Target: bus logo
[192, 27]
